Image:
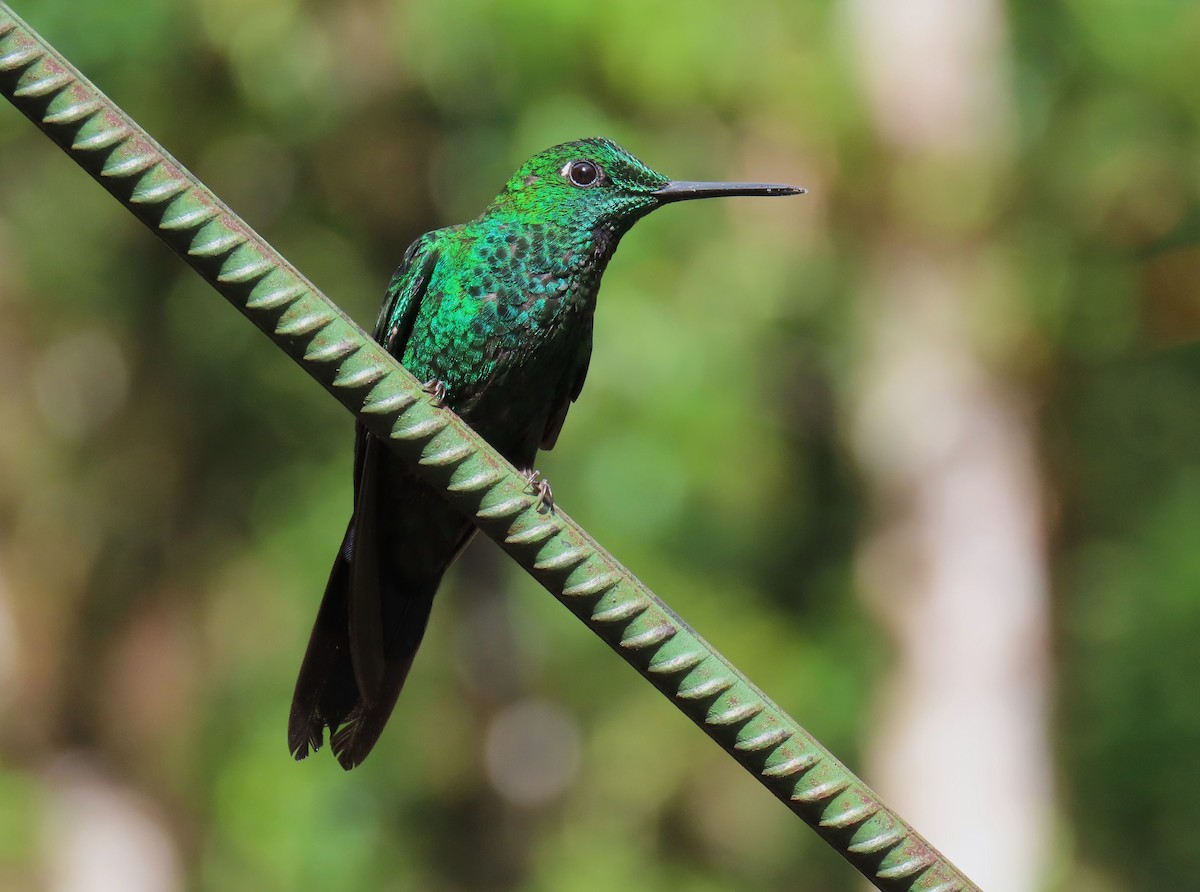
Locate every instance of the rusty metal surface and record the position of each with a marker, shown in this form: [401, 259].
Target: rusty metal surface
[612, 602]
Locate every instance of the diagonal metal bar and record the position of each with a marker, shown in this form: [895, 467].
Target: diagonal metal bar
[612, 602]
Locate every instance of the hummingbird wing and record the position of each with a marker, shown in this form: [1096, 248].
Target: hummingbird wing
[568, 391]
[392, 329]
[345, 662]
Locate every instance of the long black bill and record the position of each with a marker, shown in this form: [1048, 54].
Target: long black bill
[683, 190]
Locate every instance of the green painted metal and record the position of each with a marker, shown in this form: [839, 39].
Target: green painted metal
[549, 545]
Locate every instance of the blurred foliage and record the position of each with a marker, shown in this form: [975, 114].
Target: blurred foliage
[173, 489]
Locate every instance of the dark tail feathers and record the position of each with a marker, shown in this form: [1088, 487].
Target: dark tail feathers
[327, 693]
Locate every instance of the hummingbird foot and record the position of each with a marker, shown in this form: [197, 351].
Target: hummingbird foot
[437, 390]
[541, 486]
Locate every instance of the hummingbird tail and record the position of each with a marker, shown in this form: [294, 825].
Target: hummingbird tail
[329, 694]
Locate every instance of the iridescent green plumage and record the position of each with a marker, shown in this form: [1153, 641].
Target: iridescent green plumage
[510, 294]
[498, 312]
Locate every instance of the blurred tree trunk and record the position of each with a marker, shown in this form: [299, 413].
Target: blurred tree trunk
[955, 563]
[104, 836]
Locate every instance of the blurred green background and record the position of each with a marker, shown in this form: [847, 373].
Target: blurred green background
[172, 489]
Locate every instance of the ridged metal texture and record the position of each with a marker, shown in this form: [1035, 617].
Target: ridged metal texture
[552, 548]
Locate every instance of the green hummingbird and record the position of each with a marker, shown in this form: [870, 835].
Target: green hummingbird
[496, 316]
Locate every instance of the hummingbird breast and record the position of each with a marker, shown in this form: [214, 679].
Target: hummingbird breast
[505, 323]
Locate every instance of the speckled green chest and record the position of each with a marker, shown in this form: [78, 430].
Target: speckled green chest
[506, 320]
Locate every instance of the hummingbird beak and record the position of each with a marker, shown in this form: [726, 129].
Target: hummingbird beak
[683, 190]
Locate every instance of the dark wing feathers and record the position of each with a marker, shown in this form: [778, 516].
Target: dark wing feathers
[567, 394]
[345, 668]
[364, 607]
[393, 328]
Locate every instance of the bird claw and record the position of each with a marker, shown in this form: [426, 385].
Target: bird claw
[437, 390]
[541, 486]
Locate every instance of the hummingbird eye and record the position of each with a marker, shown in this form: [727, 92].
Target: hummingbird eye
[582, 173]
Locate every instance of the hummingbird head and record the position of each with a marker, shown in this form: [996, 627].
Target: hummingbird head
[594, 183]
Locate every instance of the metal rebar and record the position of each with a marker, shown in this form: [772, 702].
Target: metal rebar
[325, 342]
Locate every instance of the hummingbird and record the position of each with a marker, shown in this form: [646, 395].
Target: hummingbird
[495, 315]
